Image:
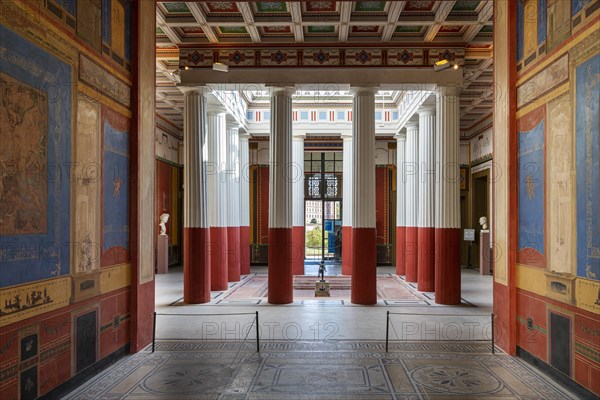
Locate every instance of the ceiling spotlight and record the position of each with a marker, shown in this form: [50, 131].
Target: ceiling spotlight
[440, 65]
[220, 67]
[455, 66]
[186, 67]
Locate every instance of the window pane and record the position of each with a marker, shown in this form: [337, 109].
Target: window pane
[316, 166]
[329, 156]
[329, 166]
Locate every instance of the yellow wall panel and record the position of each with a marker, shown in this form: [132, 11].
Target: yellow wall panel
[117, 26]
[531, 279]
[114, 278]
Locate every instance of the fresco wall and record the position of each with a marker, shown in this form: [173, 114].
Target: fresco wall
[65, 267]
[169, 181]
[558, 257]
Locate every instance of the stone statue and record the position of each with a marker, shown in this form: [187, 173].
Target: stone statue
[163, 222]
[483, 223]
[322, 270]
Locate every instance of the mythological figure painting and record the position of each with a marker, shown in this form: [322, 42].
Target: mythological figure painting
[35, 160]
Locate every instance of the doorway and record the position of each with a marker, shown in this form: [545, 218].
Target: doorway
[480, 204]
[323, 205]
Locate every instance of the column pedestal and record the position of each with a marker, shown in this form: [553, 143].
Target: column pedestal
[162, 259]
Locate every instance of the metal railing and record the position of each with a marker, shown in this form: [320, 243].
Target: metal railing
[255, 320]
[389, 322]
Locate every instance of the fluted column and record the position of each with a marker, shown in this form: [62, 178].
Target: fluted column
[280, 280]
[217, 200]
[244, 156]
[196, 236]
[400, 204]
[411, 175]
[232, 177]
[364, 235]
[347, 206]
[297, 175]
[425, 213]
[447, 198]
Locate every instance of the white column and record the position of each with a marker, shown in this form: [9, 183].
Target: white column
[217, 161]
[411, 172]
[447, 199]
[244, 156]
[297, 175]
[233, 177]
[425, 212]
[400, 179]
[364, 235]
[347, 181]
[400, 203]
[196, 263]
[280, 282]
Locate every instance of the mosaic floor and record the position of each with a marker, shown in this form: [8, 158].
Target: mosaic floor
[345, 370]
[388, 287]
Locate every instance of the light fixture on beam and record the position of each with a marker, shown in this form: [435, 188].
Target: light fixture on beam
[220, 67]
[441, 65]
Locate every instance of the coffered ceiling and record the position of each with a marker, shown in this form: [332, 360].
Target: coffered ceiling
[208, 24]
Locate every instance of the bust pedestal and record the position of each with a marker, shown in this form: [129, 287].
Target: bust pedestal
[484, 252]
[162, 258]
[322, 289]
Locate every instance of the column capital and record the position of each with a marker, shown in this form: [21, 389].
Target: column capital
[346, 136]
[426, 110]
[188, 90]
[283, 90]
[243, 133]
[401, 136]
[298, 136]
[216, 110]
[363, 90]
[448, 90]
[411, 125]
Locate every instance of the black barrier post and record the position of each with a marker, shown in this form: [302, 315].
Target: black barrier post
[154, 332]
[493, 343]
[257, 335]
[387, 331]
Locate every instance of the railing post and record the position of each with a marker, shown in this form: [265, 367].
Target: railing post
[257, 335]
[493, 343]
[387, 330]
[154, 332]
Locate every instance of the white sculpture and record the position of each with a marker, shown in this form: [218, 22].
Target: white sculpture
[163, 222]
[483, 223]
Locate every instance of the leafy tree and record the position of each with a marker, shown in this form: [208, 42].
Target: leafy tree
[313, 238]
[313, 221]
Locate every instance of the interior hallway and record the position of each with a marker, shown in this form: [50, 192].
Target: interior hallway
[325, 349]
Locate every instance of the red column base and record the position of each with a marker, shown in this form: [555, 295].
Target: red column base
[244, 250]
[297, 250]
[447, 266]
[347, 250]
[364, 272]
[233, 253]
[426, 269]
[280, 280]
[218, 258]
[400, 250]
[196, 266]
[411, 250]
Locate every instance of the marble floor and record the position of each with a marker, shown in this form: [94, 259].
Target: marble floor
[321, 349]
[308, 370]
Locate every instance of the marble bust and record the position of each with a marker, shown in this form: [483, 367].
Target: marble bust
[163, 222]
[483, 223]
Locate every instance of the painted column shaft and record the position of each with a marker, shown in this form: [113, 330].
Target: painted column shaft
[411, 175]
[400, 204]
[196, 262]
[364, 236]
[280, 280]
[244, 204]
[425, 213]
[347, 206]
[217, 198]
[232, 178]
[447, 199]
[297, 175]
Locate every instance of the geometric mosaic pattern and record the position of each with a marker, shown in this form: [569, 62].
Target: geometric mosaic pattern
[347, 370]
